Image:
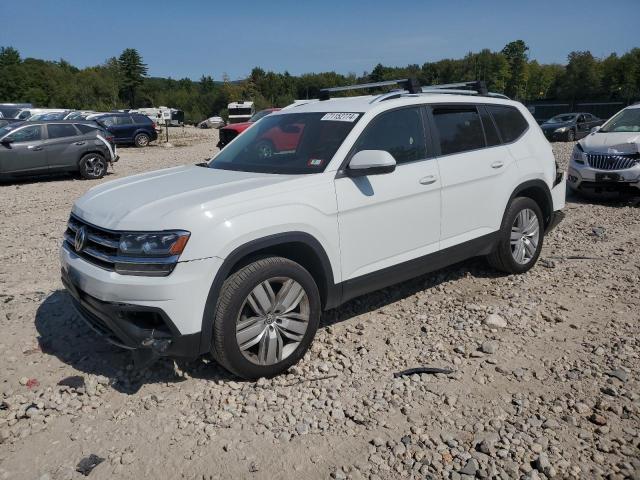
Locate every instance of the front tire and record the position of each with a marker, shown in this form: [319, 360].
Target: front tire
[520, 238]
[93, 166]
[266, 318]
[141, 140]
[571, 136]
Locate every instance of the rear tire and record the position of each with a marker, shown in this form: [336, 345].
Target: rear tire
[141, 140]
[93, 166]
[266, 318]
[520, 238]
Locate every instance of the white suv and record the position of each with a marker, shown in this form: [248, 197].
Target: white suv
[308, 208]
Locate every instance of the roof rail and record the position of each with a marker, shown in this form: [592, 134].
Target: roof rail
[409, 84]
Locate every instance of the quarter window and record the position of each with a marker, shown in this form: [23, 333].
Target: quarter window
[399, 132]
[124, 120]
[27, 134]
[459, 129]
[61, 131]
[511, 124]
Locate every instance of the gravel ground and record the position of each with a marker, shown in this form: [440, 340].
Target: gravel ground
[544, 380]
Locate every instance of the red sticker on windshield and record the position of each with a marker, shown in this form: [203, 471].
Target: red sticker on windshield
[315, 162]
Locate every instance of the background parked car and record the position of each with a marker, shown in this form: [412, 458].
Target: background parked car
[11, 110]
[129, 129]
[7, 121]
[38, 148]
[569, 126]
[212, 122]
[231, 131]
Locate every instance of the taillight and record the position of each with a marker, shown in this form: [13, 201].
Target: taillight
[154, 125]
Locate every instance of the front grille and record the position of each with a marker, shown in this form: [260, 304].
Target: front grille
[608, 161]
[101, 247]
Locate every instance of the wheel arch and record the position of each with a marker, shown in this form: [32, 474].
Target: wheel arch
[299, 247]
[539, 192]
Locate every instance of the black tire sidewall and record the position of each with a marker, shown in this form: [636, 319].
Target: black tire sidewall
[517, 205]
[83, 167]
[225, 319]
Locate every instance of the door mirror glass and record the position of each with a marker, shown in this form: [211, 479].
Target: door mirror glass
[371, 162]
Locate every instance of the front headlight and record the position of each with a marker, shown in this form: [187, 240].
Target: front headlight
[578, 154]
[561, 129]
[161, 244]
[150, 253]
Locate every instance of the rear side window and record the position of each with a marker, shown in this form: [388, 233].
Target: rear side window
[490, 132]
[141, 119]
[107, 121]
[61, 130]
[399, 132]
[124, 120]
[511, 124]
[459, 129]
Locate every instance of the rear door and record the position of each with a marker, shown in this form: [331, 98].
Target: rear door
[475, 168]
[64, 146]
[385, 220]
[25, 153]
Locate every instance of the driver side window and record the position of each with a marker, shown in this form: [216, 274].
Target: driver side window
[400, 132]
[26, 134]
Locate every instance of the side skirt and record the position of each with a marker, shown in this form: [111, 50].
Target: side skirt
[414, 268]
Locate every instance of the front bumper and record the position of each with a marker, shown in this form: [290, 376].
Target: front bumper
[159, 314]
[582, 178]
[554, 136]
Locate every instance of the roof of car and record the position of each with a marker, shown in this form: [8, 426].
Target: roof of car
[365, 103]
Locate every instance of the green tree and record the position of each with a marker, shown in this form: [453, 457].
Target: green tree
[132, 73]
[516, 54]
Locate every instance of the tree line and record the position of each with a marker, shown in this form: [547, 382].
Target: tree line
[123, 82]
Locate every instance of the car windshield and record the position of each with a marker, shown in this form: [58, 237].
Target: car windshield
[627, 121]
[260, 114]
[9, 112]
[292, 143]
[561, 118]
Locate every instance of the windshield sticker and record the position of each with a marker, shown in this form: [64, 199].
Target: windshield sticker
[315, 162]
[341, 117]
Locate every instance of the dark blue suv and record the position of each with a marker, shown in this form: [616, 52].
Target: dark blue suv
[129, 128]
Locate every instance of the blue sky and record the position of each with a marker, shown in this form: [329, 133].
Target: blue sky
[188, 38]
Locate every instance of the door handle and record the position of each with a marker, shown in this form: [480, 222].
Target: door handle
[497, 164]
[80, 143]
[428, 180]
[35, 148]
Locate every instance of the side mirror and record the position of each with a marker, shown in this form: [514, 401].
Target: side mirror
[595, 129]
[6, 141]
[371, 162]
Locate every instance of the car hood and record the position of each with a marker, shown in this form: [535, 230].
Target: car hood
[240, 127]
[611, 142]
[168, 199]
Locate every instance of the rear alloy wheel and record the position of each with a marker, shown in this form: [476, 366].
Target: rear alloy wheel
[264, 149]
[141, 140]
[93, 166]
[266, 317]
[520, 238]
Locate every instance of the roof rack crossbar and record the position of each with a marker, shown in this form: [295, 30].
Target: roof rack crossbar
[477, 85]
[409, 84]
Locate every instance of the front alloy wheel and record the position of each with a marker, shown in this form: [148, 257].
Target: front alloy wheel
[266, 316]
[272, 321]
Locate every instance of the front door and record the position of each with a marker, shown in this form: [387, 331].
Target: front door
[23, 152]
[388, 219]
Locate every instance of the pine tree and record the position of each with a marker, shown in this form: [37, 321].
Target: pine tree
[132, 73]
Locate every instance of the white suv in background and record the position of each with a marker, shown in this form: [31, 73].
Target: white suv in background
[310, 207]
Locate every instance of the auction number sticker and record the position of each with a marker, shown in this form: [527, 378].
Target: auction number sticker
[341, 117]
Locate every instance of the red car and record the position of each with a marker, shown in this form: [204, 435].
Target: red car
[230, 132]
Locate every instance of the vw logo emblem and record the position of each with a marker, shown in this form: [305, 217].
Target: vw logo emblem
[81, 239]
